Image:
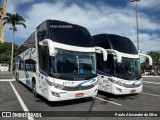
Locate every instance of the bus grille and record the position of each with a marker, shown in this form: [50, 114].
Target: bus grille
[132, 85]
[78, 88]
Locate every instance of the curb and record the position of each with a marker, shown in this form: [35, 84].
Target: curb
[6, 80]
[152, 76]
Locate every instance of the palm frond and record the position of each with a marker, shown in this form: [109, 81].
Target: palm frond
[14, 19]
[22, 24]
[4, 23]
[1, 10]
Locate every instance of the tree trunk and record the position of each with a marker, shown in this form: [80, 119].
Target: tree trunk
[11, 66]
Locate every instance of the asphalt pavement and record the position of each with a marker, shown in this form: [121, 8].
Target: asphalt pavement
[6, 75]
[16, 97]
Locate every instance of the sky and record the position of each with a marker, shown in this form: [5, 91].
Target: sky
[98, 16]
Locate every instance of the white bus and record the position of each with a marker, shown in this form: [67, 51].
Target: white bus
[121, 73]
[4, 67]
[58, 62]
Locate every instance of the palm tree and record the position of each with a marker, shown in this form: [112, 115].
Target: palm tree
[1, 12]
[13, 19]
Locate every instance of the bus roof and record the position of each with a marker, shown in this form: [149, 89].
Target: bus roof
[67, 33]
[115, 42]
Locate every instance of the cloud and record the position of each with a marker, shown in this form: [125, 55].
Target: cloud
[150, 4]
[12, 4]
[153, 5]
[145, 23]
[97, 18]
[149, 42]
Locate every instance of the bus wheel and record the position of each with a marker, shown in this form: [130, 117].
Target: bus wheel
[17, 77]
[34, 89]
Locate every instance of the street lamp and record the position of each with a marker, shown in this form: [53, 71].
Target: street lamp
[137, 22]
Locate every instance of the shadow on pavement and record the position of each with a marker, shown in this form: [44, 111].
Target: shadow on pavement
[107, 96]
[64, 103]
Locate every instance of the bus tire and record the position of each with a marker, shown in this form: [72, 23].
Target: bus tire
[34, 90]
[17, 77]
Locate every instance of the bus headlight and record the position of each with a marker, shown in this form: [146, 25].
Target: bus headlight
[58, 86]
[119, 89]
[116, 82]
[119, 83]
[55, 94]
[49, 82]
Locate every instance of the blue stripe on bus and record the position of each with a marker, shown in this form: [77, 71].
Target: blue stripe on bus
[43, 73]
[27, 79]
[86, 81]
[104, 74]
[18, 58]
[137, 81]
[26, 74]
[28, 82]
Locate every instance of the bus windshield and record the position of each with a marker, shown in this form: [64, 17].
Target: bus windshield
[128, 69]
[71, 64]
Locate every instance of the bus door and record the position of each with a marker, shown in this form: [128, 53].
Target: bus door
[38, 83]
[44, 69]
[104, 82]
[104, 69]
[22, 75]
[43, 83]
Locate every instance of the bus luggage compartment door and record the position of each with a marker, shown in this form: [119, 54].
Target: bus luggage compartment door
[104, 83]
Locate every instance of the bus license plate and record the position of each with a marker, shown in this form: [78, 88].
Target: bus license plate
[79, 95]
[133, 91]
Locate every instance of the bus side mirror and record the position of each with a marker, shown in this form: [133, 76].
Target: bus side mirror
[149, 57]
[50, 45]
[103, 51]
[118, 54]
[43, 43]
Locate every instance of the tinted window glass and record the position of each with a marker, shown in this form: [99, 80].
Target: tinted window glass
[30, 65]
[44, 58]
[70, 65]
[129, 68]
[21, 65]
[102, 41]
[70, 34]
[42, 34]
[122, 44]
[28, 43]
[104, 66]
[115, 42]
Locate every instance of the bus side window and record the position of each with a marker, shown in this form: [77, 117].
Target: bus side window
[21, 65]
[44, 58]
[30, 65]
[34, 68]
[103, 66]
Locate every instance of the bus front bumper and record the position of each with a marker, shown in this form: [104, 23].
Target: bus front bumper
[119, 90]
[60, 95]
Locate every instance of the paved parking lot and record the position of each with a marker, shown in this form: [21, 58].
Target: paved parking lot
[16, 97]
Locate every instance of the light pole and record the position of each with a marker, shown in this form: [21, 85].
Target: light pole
[137, 22]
